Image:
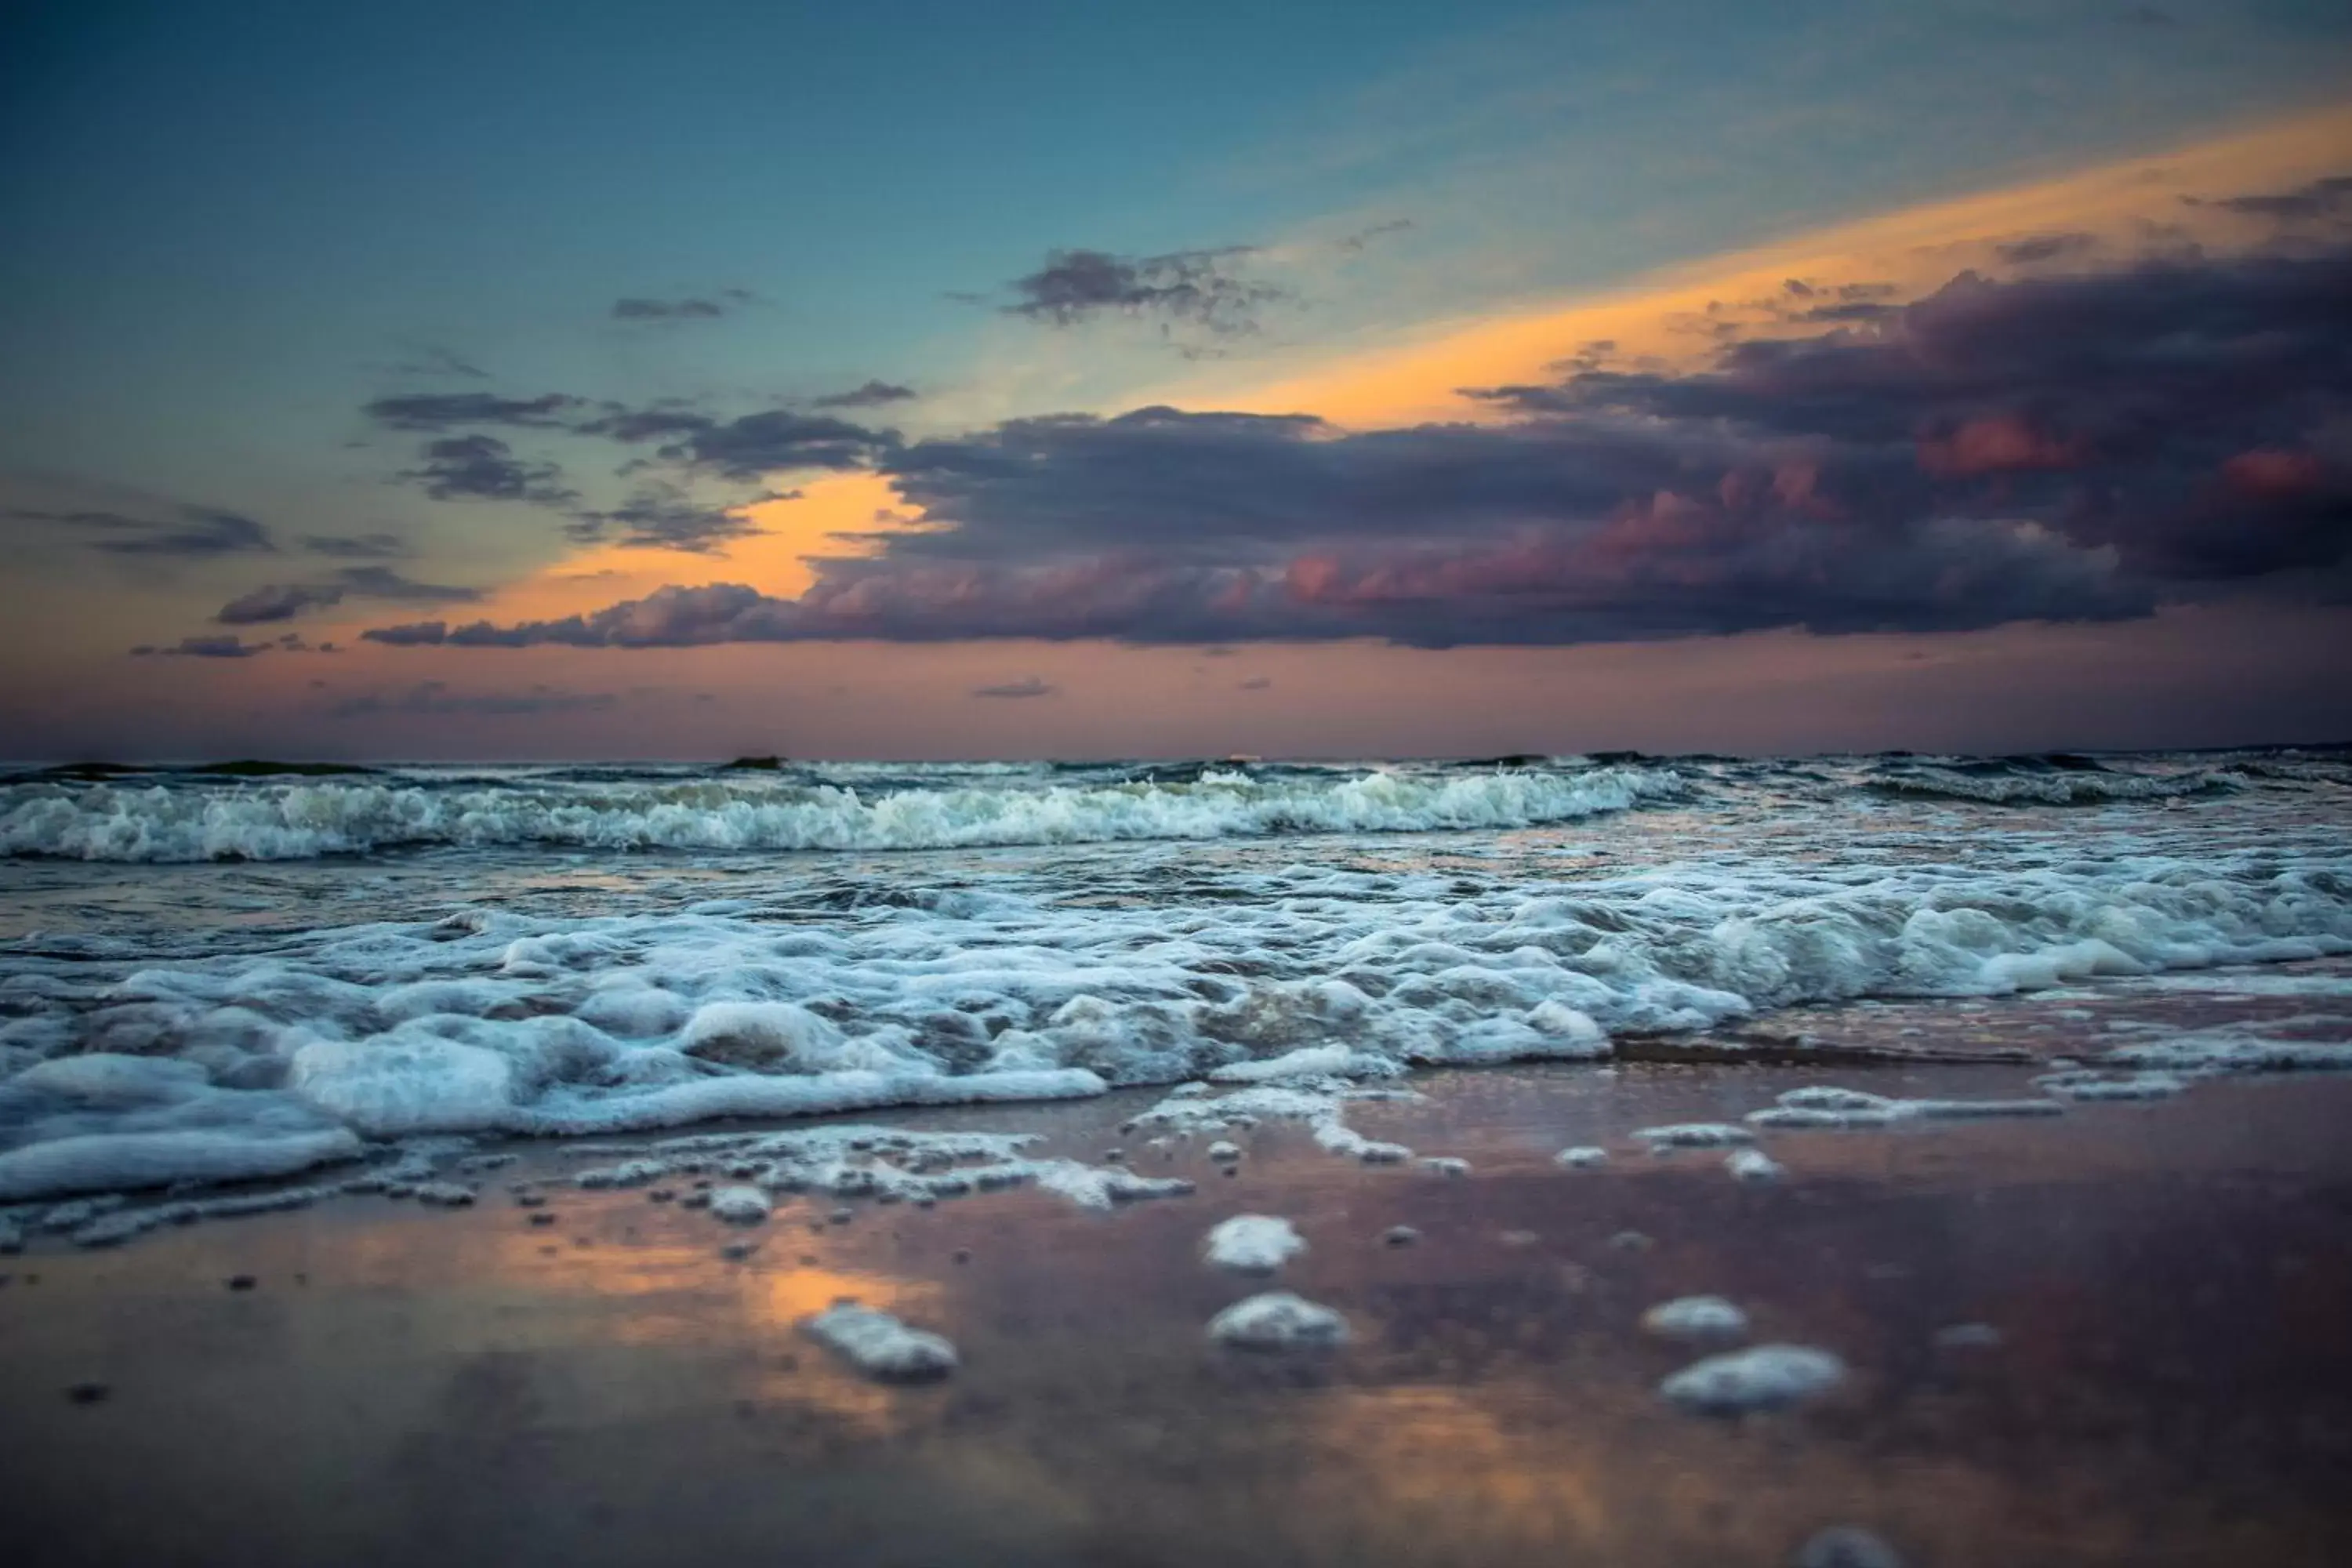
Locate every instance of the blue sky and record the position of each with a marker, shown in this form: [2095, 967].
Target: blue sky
[234, 226]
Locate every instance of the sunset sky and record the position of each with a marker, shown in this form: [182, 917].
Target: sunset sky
[623, 381]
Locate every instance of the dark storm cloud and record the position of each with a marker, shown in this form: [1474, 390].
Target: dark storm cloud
[457, 410]
[1029, 686]
[746, 447]
[1196, 288]
[416, 634]
[2070, 448]
[636, 425]
[227, 647]
[191, 532]
[666, 523]
[873, 395]
[757, 444]
[2325, 198]
[1847, 313]
[2111, 405]
[483, 468]
[285, 601]
[278, 602]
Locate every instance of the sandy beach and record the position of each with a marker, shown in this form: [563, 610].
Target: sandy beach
[2165, 1380]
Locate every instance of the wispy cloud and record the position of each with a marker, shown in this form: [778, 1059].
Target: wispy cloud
[286, 601]
[692, 308]
[188, 533]
[1028, 686]
[458, 410]
[1207, 290]
[483, 468]
[873, 395]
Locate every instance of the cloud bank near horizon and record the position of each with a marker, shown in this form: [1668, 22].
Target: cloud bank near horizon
[2076, 444]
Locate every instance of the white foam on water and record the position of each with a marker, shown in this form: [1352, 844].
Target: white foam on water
[1251, 1243]
[1310, 1062]
[1319, 1104]
[2085, 1085]
[1822, 1106]
[880, 1346]
[1765, 1377]
[2063, 788]
[1278, 1320]
[860, 1161]
[1694, 1135]
[283, 820]
[816, 987]
[1581, 1157]
[738, 1205]
[1754, 1166]
[2231, 1050]
[1098, 1186]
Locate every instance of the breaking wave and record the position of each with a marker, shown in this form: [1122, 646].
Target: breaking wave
[198, 817]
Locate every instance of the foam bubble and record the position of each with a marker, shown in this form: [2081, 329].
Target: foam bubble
[1695, 1318]
[1251, 1243]
[1766, 1377]
[880, 1346]
[1278, 1320]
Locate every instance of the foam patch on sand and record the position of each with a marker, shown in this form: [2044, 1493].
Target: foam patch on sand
[887, 1164]
[2086, 1085]
[1694, 1135]
[1766, 1377]
[1695, 1319]
[880, 1346]
[2234, 1051]
[1251, 1243]
[1320, 1105]
[1278, 1320]
[1818, 1106]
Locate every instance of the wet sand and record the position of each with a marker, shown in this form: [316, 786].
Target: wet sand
[2171, 1282]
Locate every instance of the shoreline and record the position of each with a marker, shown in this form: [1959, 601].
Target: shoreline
[2167, 1278]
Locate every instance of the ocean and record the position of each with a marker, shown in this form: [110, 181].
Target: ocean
[220, 974]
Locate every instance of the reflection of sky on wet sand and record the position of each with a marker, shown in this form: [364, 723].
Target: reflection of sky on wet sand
[2171, 1278]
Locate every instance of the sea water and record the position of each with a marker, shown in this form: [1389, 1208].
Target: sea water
[223, 973]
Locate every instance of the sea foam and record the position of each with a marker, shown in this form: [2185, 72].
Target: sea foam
[751, 984]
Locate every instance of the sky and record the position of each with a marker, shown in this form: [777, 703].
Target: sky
[629, 381]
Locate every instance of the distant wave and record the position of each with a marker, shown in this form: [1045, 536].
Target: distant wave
[240, 768]
[185, 819]
[2059, 778]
